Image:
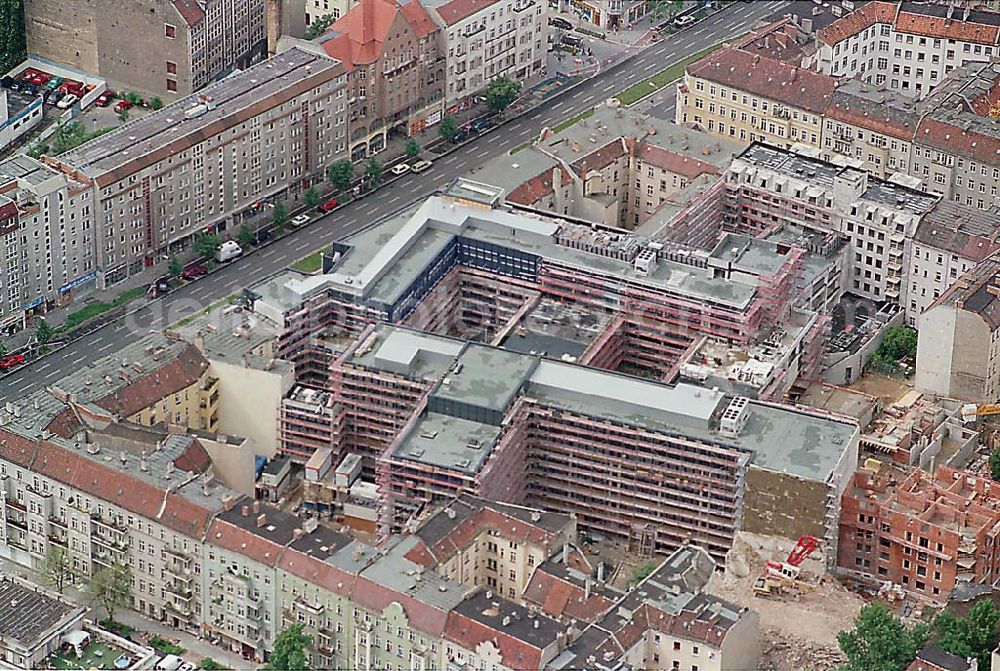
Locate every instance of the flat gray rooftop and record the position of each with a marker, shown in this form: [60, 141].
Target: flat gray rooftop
[449, 442]
[410, 353]
[234, 97]
[489, 378]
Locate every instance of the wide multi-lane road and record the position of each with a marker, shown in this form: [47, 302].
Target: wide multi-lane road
[735, 19]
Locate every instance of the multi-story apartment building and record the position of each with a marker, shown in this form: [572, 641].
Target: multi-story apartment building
[48, 240]
[736, 92]
[488, 544]
[958, 347]
[908, 47]
[487, 39]
[203, 161]
[771, 186]
[166, 48]
[394, 57]
[317, 9]
[947, 139]
[924, 532]
[950, 240]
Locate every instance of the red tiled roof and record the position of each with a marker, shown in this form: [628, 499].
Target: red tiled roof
[121, 489]
[687, 166]
[17, 449]
[537, 187]
[515, 653]
[983, 148]
[361, 32]
[145, 389]
[456, 10]
[943, 28]
[768, 78]
[194, 459]
[557, 597]
[486, 519]
[319, 572]
[858, 20]
[190, 11]
[986, 101]
[601, 158]
[243, 542]
[887, 122]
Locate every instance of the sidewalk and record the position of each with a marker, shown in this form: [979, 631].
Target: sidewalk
[197, 648]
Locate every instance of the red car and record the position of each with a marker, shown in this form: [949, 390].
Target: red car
[328, 205]
[122, 105]
[105, 98]
[11, 361]
[193, 272]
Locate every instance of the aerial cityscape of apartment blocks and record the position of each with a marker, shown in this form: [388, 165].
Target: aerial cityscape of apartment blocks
[500, 335]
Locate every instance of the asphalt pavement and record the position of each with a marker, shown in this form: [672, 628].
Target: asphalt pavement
[322, 232]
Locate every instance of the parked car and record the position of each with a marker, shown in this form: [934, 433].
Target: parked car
[227, 251]
[53, 83]
[420, 166]
[187, 666]
[122, 105]
[193, 272]
[11, 361]
[572, 41]
[53, 97]
[169, 663]
[328, 205]
[160, 287]
[400, 169]
[479, 125]
[263, 235]
[105, 98]
[461, 136]
[561, 23]
[67, 101]
[684, 21]
[300, 220]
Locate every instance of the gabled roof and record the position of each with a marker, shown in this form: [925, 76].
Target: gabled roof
[456, 10]
[936, 659]
[671, 161]
[190, 11]
[768, 78]
[857, 21]
[977, 146]
[944, 28]
[358, 36]
[880, 118]
[539, 186]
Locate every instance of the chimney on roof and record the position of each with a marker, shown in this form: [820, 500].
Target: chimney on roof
[565, 552]
[600, 571]
[143, 462]
[227, 502]
[261, 520]
[297, 533]
[245, 510]
[586, 588]
[256, 507]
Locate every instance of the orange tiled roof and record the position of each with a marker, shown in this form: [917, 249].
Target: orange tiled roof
[538, 187]
[243, 542]
[688, 166]
[887, 121]
[358, 36]
[943, 28]
[456, 10]
[983, 148]
[858, 20]
[768, 78]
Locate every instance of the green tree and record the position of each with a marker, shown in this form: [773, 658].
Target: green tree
[174, 266]
[448, 129]
[279, 217]
[373, 171]
[155, 103]
[972, 636]
[501, 92]
[109, 587]
[340, 174]
[289, 652]
[13, 43]
[900, 341]
[123, 115]
[995, 464]
[880, 641]
[44, 332]
[412, 148]
[3, 348]
[319, 26]
[245, 236]
[57, 568]
[312, 197]
[206, 244]
[133, 98]
[209, 664]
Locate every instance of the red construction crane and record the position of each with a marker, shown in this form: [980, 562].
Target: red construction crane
[805, 547]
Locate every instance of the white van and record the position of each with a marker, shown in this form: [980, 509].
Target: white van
[227, 251]
[169, 663]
